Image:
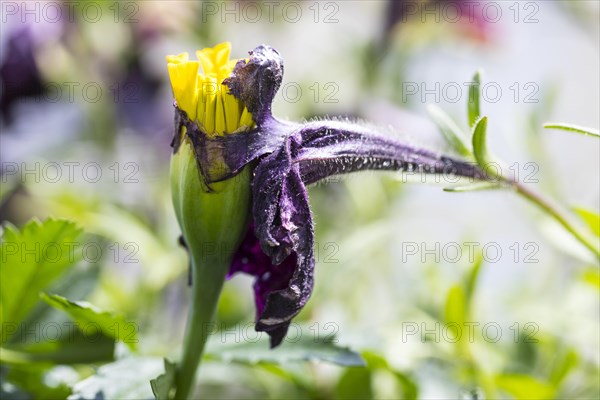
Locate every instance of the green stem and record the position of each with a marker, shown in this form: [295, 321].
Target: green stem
[555, 213]
[208, 278]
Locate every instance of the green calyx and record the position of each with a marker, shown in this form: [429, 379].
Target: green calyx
[213, 221]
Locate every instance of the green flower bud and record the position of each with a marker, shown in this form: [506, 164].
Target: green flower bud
[213, 220]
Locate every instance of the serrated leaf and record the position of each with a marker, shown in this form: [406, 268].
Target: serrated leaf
[305, 348]
[89, 317]
[31, 259]
[75, 283]
[163, 385]
[474, 187]
[473, 102]
[591, 219]
[128, 378]
[573, 128]
[449, 129]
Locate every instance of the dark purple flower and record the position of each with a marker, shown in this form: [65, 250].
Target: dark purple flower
[278, 249]
[19, 71]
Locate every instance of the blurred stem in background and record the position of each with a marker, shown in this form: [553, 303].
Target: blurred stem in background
[558, 216]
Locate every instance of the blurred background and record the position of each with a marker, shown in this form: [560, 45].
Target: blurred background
[86, 122]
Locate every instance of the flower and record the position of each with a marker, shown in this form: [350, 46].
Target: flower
[278, 246]
[19, 72]
[211, 212]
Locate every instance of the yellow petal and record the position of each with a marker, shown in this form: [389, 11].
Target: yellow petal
[210, 103]
[212, 58]
[246, 119]
[232, 112]
[220, 114]
[184, 75]
[201, 93]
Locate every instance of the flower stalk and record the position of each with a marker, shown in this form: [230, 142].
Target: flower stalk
[208, 276]
[213, 221]
[211, 203]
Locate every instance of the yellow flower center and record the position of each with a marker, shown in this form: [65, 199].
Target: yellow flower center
[203, 96]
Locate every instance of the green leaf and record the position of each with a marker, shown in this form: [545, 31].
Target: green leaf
[75, 283]
[449, 129]
[164, 384]
[9, 391]
[128, 378]
[89, 317]
[305, 386]
[304, 348]
[524, 387]
[474, 187]
[591, 219]
[473, 102]
[409, 386]
[355, 383]
[564, 366]
[455, 311]
[60, 344]
[592, 277]
[124, 379]
[471, 282]
[374, 360]
[32, 259]
[480, 147]
[410, 390]
[455, 305]
[40, 381]
[572, 128]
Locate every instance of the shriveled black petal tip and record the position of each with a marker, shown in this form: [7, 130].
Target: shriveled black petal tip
[283, 305]
[276, 335]
[256, 81]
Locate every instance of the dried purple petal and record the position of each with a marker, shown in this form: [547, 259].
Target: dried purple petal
[256, 81]
[341, 147]
[251, 260]
[283, 225]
